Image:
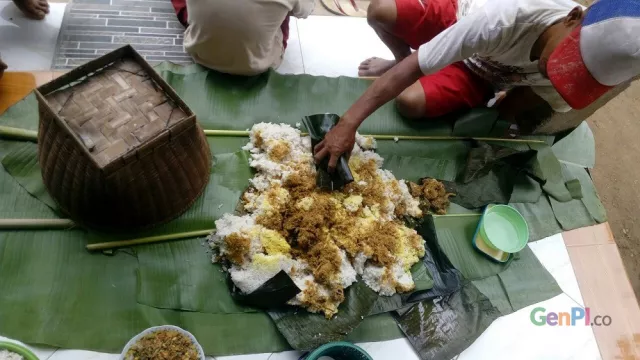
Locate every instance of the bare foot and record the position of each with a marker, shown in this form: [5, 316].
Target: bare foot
[33, 9]
[375, 66]
[3, 67]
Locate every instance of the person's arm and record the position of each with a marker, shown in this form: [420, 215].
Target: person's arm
[473, 34]
[341, 138]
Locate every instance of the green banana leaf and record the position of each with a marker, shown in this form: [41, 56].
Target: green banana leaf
[571, 214]
[62, 291]
[577, 148]
[413, 168]
[58, 294]
[22, 164]
[548, 168]
[443, 328]
[455, 235]
[305, 331]
[222, 101]
[179, 275]
[540, 218]
[583, 211]
[525, 190]
[318, 126]
[527, 282]
[575, 189]
[480, 122]
[590, 197]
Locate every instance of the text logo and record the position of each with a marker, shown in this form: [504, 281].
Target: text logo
[576, 317]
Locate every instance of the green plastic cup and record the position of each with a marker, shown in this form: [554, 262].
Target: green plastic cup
[18, 349]
[339, 350]
[504, 229]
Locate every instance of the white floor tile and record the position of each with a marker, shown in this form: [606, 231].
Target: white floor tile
[82, 355]
[516, 337]
[28, 44]
[393, 349]
[42, 352]
[246, 357]
[335, 46]
[292, 60]
[553, 255]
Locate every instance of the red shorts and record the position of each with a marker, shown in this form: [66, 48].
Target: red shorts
[455, 87]
[419, 21]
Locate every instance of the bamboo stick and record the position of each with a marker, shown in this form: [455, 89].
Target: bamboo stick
[35, 224]
[184, 235]
[147, 240]
[458, 215]
[14, 133]
[31, 135]
[241, 133]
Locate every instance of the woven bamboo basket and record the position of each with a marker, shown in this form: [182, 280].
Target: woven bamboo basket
[119, 150]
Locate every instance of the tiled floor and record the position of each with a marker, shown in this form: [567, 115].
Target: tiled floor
[318, 45]
[94, 27]
[606, 290]
[334, 46]
[28, 44]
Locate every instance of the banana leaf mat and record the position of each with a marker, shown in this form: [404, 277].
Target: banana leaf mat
[54, 287]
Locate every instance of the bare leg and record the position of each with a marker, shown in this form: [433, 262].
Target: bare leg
[34, 9]
[382, 16]
[411, 103]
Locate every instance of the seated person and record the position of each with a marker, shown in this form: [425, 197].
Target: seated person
[490, 68]
[33, 9]
[244, 37]
[567, 59]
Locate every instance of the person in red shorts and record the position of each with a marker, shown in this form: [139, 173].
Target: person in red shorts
[407, 24]
[550, 52]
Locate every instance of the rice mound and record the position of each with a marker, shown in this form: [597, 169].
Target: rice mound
[321, 239]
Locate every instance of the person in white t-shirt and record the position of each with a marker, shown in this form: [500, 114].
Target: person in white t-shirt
[241, 37]
[549, 48]
[499, 38]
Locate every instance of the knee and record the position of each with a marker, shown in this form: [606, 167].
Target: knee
[411, 105]
[381, 12]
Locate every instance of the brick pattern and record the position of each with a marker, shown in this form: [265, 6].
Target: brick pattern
[92, 28]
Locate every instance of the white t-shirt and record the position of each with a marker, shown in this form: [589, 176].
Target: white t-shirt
[239, 36]
[494, 38]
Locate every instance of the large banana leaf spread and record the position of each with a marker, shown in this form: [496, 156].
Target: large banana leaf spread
[54, 292]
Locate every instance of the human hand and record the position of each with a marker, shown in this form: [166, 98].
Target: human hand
[337, 141]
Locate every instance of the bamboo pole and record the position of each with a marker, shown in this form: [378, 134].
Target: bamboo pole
[147, 240]
[458, 215]
[241, 133]
[177, 236]
[31, 135]
[14, 133]
[35, 224]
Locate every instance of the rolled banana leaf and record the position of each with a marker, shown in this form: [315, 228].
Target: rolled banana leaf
[318, 126]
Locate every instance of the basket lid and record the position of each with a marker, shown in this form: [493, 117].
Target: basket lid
[116, 110]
